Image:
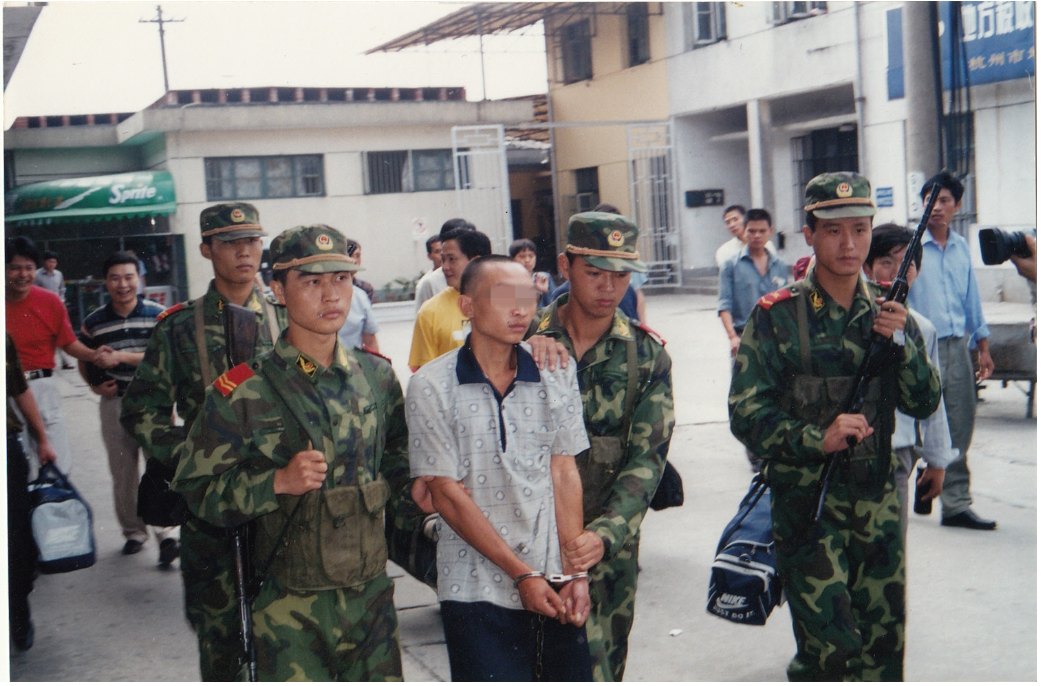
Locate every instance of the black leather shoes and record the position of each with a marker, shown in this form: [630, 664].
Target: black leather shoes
[169, 550]
[132, 547]
[23, 640]
[969, 520]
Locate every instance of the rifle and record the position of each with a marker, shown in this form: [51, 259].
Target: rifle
[240, 336]
[876, 352]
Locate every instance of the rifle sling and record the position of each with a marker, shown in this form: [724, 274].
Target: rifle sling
[200, 343]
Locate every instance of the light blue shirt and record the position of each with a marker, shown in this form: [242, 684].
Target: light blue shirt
[360, 319]
[946, 292]
[741, 286]
[936, 434]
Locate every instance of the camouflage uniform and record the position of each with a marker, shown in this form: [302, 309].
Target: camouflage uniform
[170, 376]
[325, 610]
[620, 472]
[844, 579]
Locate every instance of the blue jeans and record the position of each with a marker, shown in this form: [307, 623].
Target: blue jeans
[491, 643]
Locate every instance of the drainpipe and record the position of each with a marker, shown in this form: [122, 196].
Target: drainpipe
[552, 145]
[858, 95]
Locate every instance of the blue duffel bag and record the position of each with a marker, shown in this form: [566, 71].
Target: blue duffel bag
[744, 586]
[62, 524]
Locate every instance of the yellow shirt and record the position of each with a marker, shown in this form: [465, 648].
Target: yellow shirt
[440, 328]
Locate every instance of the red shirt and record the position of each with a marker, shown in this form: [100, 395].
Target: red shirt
[38, 323]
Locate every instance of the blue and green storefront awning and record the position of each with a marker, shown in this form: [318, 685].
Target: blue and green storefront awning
[95, 198]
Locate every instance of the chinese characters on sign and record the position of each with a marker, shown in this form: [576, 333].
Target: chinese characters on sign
[998, 39]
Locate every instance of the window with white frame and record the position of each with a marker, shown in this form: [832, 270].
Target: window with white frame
[704, 23]
[250, 178]
[784, 12]
[407, 171]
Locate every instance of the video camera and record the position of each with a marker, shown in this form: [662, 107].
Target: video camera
[997, 246]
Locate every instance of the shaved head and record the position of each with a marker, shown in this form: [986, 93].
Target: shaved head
[477, 272]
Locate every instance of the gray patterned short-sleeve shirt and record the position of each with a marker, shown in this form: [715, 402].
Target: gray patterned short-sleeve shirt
[500, 448]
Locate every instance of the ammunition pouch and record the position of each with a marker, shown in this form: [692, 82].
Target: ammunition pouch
[336, 539]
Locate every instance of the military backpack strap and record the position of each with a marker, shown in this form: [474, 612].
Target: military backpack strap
[370, 376]
[803, 319]
[272, 319]
[632, 383]
[200, 342]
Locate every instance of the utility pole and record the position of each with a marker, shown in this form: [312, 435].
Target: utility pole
[162, 41]
[921, 60]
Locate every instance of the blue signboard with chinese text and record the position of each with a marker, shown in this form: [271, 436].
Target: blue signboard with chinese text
[998, 38]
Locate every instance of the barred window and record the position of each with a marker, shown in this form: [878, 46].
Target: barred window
[407, 171]
[248, 178]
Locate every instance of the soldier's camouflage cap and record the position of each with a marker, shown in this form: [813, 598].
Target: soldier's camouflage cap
[839, 195]
[231, 221]
[315, 249]
[606, 241]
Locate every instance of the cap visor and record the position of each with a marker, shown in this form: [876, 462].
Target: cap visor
[616, 264]
[327, 267]
[235, 235]
[845, 212]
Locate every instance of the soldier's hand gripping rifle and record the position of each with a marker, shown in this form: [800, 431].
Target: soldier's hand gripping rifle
[877, 351]
[240, 336]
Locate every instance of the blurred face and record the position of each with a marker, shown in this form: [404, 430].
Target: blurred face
[121, 284]
[886, 267]
[502, 303]
[527, 259]
[840, 245]
[316, 303]
[21, 272]
[234, 262]
[435, 254]
[597, 292]
[356, 255]
[943, 211]
[757, 233]
[735, 222]
[453, 262]
[50, 264]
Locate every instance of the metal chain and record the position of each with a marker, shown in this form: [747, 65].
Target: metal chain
[540, 638]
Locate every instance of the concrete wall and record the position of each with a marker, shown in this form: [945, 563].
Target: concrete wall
[616, 92]
[34, 165]
[381, 223]
[793, 69]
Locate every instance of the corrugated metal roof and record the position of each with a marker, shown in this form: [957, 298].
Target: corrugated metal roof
[485, 18]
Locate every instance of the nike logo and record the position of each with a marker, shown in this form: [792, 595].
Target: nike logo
[729, 601]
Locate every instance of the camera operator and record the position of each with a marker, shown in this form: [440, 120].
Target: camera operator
[1027, 266]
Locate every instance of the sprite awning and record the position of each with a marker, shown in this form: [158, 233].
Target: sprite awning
[133, 194]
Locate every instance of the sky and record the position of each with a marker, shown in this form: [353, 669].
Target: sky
[96, 57]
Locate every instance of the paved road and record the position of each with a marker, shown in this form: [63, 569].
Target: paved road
[972, 596]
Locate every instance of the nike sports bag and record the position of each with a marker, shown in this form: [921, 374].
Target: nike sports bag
[744, 586]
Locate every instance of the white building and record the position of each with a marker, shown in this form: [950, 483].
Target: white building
[763, 96]
[375, 163]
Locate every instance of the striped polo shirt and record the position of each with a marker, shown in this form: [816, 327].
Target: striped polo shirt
[105, 327]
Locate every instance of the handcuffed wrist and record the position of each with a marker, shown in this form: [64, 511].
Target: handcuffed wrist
[529, 575]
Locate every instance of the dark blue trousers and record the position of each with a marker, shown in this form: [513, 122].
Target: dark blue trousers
[491, 643]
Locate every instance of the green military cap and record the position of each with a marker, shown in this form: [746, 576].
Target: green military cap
[606, 241]
[838, 195]
[231, 221]
[314, 249]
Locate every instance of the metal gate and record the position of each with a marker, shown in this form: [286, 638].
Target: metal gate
[483, 190]
[482, 182]
[652, 197]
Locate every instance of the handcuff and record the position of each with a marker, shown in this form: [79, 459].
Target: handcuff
[551, 579]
